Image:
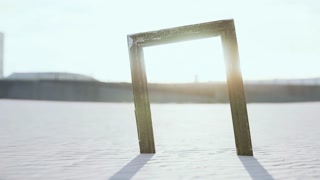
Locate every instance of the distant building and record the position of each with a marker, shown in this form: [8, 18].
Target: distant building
[57, 76]
[1, 54]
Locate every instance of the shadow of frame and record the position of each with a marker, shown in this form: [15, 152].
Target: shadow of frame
[130, 169]
[254, 168]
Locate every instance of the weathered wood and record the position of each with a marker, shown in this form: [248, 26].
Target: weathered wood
[177, 34]
[236, 92]
[141, 100]
[226, 30]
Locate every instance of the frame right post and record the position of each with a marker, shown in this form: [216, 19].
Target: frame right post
[236, 92]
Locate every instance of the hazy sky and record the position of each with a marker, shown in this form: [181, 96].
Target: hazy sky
[277, 39]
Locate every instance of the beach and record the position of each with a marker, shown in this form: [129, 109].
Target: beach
[76, 140]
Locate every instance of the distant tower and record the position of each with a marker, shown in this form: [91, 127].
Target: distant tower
[196, 79]
[1, 54]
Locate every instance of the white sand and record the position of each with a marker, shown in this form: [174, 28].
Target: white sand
[55, 140]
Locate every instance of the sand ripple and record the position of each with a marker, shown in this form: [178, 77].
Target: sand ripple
[53, 140]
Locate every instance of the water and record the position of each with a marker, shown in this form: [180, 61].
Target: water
[66, 140]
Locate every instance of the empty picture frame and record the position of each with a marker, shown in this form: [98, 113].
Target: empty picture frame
[226, 30]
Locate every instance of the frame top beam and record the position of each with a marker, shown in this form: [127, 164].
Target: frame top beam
[182, 33]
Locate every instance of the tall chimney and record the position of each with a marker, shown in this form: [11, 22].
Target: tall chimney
[1, 54]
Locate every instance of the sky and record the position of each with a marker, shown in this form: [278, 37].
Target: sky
[276, 39]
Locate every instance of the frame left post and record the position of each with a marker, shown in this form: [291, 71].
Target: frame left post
[141, 97]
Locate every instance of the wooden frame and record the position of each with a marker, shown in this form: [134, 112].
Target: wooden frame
[226, 30]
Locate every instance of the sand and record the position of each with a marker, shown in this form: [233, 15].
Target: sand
[66, 140]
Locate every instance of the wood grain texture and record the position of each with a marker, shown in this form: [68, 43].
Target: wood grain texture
[141, 101]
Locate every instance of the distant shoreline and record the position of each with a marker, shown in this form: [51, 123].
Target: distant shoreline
[95, 91]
